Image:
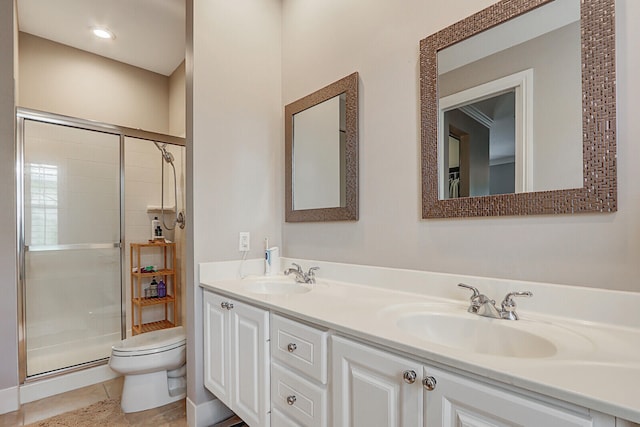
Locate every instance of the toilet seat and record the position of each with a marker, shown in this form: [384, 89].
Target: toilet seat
[150, 343]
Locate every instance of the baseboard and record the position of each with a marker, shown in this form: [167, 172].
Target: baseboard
[37, 390]
[9, 400]
[206, 414]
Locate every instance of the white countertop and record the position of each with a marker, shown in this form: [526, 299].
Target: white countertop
[598, 367]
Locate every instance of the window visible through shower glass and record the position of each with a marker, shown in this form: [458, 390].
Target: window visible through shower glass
[71, 225]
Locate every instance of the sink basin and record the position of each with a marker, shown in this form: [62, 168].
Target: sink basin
[477, 334]
[275, 286]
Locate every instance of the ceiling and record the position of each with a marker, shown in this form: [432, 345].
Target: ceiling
[149, 34]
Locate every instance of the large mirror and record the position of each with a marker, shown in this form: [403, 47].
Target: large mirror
[518, 111]
[321, 154]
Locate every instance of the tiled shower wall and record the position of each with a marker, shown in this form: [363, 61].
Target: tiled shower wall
[143, 184]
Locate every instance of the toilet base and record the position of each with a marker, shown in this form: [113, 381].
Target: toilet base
[146, 391]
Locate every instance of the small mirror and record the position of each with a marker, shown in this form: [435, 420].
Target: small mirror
[321, 150]
[516, 101]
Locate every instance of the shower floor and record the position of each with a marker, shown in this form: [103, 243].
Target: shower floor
[67, 354]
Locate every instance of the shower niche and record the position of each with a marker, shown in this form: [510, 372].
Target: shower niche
[160, 304]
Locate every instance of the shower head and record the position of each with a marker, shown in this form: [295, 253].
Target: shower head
[166, 155]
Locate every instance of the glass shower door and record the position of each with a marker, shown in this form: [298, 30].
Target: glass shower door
[72, 292]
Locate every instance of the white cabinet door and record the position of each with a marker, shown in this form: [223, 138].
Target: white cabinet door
[216, 347]
[460, 402]
[236, 357]
[369, 388]
[249, 334]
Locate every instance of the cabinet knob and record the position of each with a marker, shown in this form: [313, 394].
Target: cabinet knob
[229, 305]
[291, 400]
[429, 383]
[291, 347]
[224, 305]
[409, 376]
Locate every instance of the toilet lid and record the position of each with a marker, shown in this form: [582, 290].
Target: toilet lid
[151, 342]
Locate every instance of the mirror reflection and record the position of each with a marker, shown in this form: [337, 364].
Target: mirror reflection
[512, 97]
[481, 147]
[319, 143]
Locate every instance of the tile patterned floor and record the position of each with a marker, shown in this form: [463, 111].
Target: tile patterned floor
[173, 414]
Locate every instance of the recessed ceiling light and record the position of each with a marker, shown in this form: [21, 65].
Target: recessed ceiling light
[103, 33]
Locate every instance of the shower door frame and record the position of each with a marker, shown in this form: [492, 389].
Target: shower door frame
[122, 132]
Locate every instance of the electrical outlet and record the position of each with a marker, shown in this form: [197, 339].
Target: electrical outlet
[244, 241]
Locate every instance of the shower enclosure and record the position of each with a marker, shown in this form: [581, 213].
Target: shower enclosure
[71, 232]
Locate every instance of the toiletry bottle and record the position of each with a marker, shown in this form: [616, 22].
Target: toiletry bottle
[153, 288]
[274, 260]
[162, 289]
[155, 223]
[158, 232]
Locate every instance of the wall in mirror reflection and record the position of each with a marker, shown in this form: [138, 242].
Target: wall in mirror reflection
[319, 138]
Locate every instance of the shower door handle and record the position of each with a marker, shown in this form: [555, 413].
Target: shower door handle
[72, 247]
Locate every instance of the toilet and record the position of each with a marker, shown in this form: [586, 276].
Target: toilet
[154, 369]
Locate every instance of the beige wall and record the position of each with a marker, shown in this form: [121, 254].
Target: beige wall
[236, 144]
[177, 101]
[8, 278]
[324, 41]
[64, 80]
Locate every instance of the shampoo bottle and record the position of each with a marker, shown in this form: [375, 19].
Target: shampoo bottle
[162, 289]
[155, 224]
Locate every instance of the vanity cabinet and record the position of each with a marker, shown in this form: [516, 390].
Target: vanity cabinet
[236, 357]
[376, 387]
[299, 377]
[460, 401]
[369, 388]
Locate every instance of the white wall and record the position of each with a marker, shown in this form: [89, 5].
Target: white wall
[236, 145]
[324, 41]
[8, 290]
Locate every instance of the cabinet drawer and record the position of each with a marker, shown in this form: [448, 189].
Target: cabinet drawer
[300, 346]
[297, 398]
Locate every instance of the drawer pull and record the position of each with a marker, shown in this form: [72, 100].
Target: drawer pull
[291, 347]
[409, 376]
[291, 400]
[429, 383]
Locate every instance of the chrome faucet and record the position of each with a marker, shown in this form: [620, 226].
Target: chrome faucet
[483, 306]
[300, 276]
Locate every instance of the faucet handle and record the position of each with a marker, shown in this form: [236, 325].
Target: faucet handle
[297, 266]
[476, 299]
[509, 305]
[475, 291]
[312, 271]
